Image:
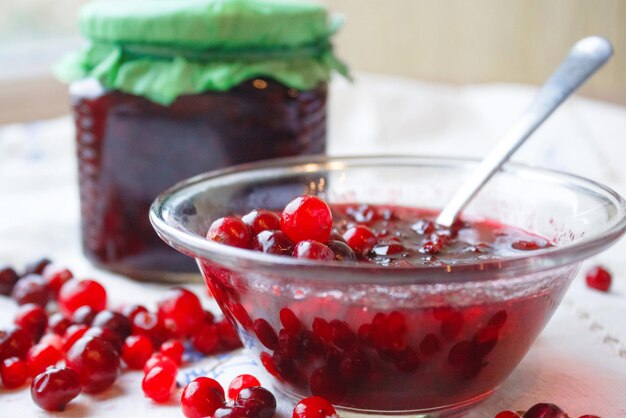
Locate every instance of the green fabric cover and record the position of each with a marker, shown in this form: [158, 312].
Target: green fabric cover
[161, 49]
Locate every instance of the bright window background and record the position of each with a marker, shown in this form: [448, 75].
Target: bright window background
[454, 41]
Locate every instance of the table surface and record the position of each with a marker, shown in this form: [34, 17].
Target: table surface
[578, 362]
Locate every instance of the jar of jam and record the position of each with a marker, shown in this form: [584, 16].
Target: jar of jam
[169, 89]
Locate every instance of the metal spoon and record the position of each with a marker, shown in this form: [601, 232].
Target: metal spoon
[584, 59]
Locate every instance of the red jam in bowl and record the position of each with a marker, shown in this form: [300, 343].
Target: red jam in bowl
[384, 347]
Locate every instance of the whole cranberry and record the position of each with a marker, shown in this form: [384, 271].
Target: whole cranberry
[207, 339]
[56, 276]
[107, 335]
[158, 359]
[314, 407]
[545, 410]
[598, 278]
[232, 411]
[14, 342]
[132, 310]
[272, 242]
[41, 356]
[73, 334]
[261, 220]
[8, 278]
[84, 315]
[258, 401]
[114, 321]
[181, 311]
[307, 218]
[13, 372]
[53, 389]
[36, 266]
[136, 350]
[58, 324]
[96, 362]
[313, 250]
[342, 251]
[230, 231]
[159, 383]
[201, 397]
[33, 319]
[241, 382]
[360, 238]
[32, 288]
[150, 325]
[173, 349]
[76, 293]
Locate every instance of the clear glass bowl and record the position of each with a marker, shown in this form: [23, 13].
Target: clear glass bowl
[413, 341]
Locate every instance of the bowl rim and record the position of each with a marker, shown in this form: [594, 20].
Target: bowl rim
[234, 258]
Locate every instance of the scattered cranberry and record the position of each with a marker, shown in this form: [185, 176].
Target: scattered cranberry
[131, 311]
[342, 251]
[307, 218]
[360, 238]
[206, 340]
[598, 278]
[173, 349]
[241, 382]
[42, 356]
[150, 325]
[53, 389]
[14, 343]
[76, 293]
[158, 359]
[545, 410]
[32, 319]
[84, 315]
[159, 383]
[8, 278]
[258, 401]
[73, 334]
[96, 363]
[272, 242]
[58, 324]
[230, 231]
[36, 266]
[181, 311]
[201, 398]
[114, 321]
[136, 351]
[314, 407]
[13, 372]
[32, 288]
[56, 276]
[262, 220]
[232, 411]
[106, 335]
[313, 250]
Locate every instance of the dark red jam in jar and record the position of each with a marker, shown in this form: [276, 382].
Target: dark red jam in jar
[153, 107]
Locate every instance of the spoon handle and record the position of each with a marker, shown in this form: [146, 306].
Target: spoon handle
[584, 59]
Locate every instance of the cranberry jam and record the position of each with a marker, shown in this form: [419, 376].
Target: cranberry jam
[424, 347]
[131, 148]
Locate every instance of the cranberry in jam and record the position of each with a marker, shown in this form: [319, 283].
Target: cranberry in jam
[428, 347]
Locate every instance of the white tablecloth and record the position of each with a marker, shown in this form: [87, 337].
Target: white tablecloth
[578, 362]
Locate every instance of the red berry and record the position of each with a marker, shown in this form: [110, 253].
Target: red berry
[206, 340]
[258, 401]
[136, 350]
[360, 238]
[13, 372]
[158, 359]
[314, 407]
[545, 410]
[599, 278]
[289, 320]
[230, 231]
[14, 342]
[307, 218]
[58, 324]
[73, 334]
[53, 389]
[8, 278]
[32, 288]
[173, 349]
[261, 220]
[108, 336]
[313, 250]
[36, 266]
[508, 414]
[84, 315]
[42, 356]
[181, 311]
[159, 383]
[114, 321]
[228, 335]
[265, 333]
[77, 293]
[240, 382]
[272, 242]
[56, 276]
[232, 412]
[342, 251]
[53, 340]
[150, 325]
[96, 362]
[32, 319]
[201, 397]
[131, 311]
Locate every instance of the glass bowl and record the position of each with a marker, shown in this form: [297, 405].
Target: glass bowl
[406, 341]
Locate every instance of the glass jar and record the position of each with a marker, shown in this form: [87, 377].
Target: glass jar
[144, 122]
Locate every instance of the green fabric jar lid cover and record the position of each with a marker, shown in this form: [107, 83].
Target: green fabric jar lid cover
[161, 49]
